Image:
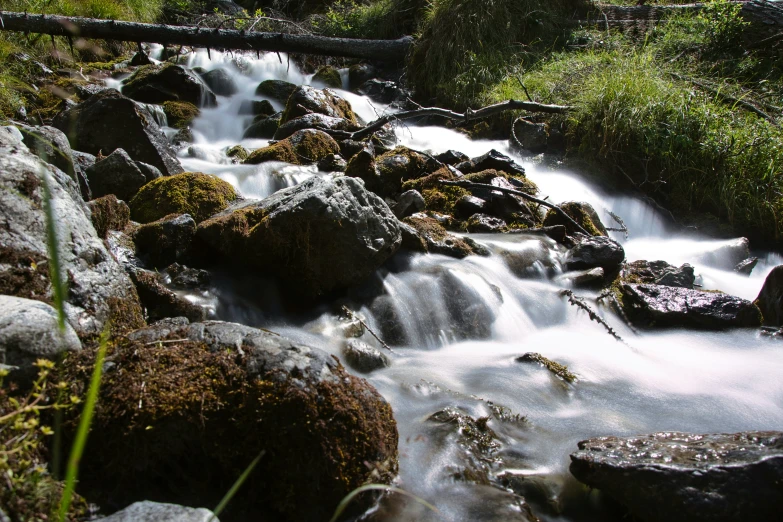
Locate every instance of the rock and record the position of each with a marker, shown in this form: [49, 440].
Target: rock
[51, 145]
[383, 91]
[166, 410]
[596, 251]
[386, 174]
[179, 276]
[581, 212]
[530, 137]
[682, 277]
[168, 82]
[159, 302]
[306, 99]
[318, 236]
[491, 160]
[746, 267]
[117, 174]
[658, 272]
[108, 213]
[147, 511]
[360, 73]
[180, 114]
[237, 153]
[470, 314]
[303, 148]
[166, 240]
[314, 121]
[90, 128]
[388, 317]
[200, 195]
[262, 128]
[452, 157]
[276, 89]
[410, 202]
[332, 163]
[485, 223]
[509, 207]
[770, 298]
[468, 205]
[98, 289]
[329, 76]
[662, 306]
[88, 90]
[537, 258]
[220, 82]
[139, 59]
[430, 236]
[182, 137]
[84, 160]
[726, 254]
[681, 477]
[257, 108]
[362, 357]
[582, 278]
[349, 148]
[29, 331]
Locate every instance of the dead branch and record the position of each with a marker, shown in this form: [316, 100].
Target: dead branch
[579, 303]
[350, 313]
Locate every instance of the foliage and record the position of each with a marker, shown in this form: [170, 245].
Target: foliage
[722, 22]
[379, 19]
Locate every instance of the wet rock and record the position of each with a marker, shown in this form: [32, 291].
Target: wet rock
[98, 289]
[237, 153]
[383, 91]
[530, 137]
[581, 212]
[262, 128]
[662, 306]
[306, 99]
[682, 277]
[257, 108]
[726, 254]
[491, 160]
[468, 205]
[84, 160]
[360, 73]
[29, 331]
[182, 137]
[362, 357]
[470, 316]
[220, 81]
[314, 121]
[452, 157]
[159, 302]
[386, 174]
[183, 277]
[332, 163]
[118, 174]
[108, 213]
[582, 278]
[51, 145]
[531, 258]
[168, 82]
[430, 236]
[318, 236]
[329, 76]
[485, 223]
[770, 298]
[166, 410]
[658, 272]
[147, 511]
[200, 195]
[746, 267]
[681, 477]
[391, 324]
[409, 203]
[166, 240]
[349, 148]
[90, 128]
[304, 147]
[555, 368]
[596, 251]
[88, 90]
[140, 58]
[276, 89]
[180, 114]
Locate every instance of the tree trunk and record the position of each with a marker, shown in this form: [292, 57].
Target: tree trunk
[75, 27]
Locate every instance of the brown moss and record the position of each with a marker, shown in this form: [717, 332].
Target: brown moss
[576, 212]
[486, 176]
[555, 368]
[125, 315]
[109, 213]
[179, 114]
[302, 148]
[200, 195]
[238, 153]
[24, 273]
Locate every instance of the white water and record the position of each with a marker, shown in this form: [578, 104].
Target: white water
[671, 380]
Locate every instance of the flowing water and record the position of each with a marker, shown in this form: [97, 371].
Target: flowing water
[462, 323]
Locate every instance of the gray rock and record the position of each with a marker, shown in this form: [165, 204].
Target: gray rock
[468, 205]
[383, 91]
[51, 145]
[530, 137]
[306, 99]
[118, 174]
[150, 171]
[726, 255]
[110, 121]
[318, 236]
[681, 477]
[263, 128]
[257, 108]
[276, 89]
[682, 277]
[491, 160]
[180, 276]
[770, 298]
[147, 511]
[659, 272]
[746, 267]
[362, 357]
[160, 302]
[583, 278]
[314, 121]
[596, 251]
[10, 136]
[85, 160]
[452, 157]
[168, 82]
[485, 223]
[360, 73]
[182, 137]
[220, 82]
[29, 331]
[409, 203]
[166, 240]
[662, 306]
[332, 163]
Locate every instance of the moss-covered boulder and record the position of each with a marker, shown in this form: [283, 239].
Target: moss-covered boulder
[263, 128]
[276, 89]
[304, 147]
[581, 212]
[386, 174]
[179, 114]
[184, 417]
[237, 153]
[166, 240]
[314, 121]
[168, 82]
[438, 197]
[329, 76]
[257, 108]
[108, 213]
[195, 193]
[433, 238]
[306, 99]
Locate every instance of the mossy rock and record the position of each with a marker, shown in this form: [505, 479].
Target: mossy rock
[329, 76]
[238, 153]
[436, 240]
[304, 147]
[437, 197]
[159, 83]
[180, 114]
[195, 193]
[276, 89]
[208, 399]
[109, 213]
[519, 182]
[386, 174]
[582, 213]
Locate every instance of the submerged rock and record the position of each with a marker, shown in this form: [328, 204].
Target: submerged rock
[147, 511]
[581, 212]
[746, 267]
[167, 411]
[680, 477]
[257, 108]
[662, 306]
[168, 82]
[770, 298]
[304, 147]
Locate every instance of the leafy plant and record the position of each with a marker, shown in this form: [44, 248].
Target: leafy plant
[722, 23]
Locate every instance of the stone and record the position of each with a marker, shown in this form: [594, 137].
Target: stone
[306, 99]
[746, 267]
[468, 205]
[332, 163]
[329, 76]
[318, 236]
[383, 91]
[109, 121]
[314, 121]
[304, 147]
[666, 306]
[410, 202]
[168, 82]
[530, 137]
[221, 82]
[166, 240]
[770, 298]
[146, 511]
[682, 477]
[257, 108]
[183, 277]
[51, 145]
[362, 357]
[180, 114]
[596, 251]
[726, 254]
[195, 193]
[29, 330]
[682, 277]
[537, 259]
[485, 223]
[237, 153]
[491, 160]
[117, 174]
[386, 174]
[276, 89]
[262, 128]
[349, 148]
[140, 58]
[166, 410]
[427, 235]
[182, 137]
[108, 213]
[581, 212]
[452, 157]
[360, 73]
[582, 278]
[658, 272]
[159, 302]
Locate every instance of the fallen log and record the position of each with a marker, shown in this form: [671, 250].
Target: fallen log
[194, 36]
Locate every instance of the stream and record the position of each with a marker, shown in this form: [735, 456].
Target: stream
[672, 380]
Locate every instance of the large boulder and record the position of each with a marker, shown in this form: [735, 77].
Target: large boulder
[118, 174]
[109, 121]
[583, 213]
[681, 477]
[276, 89]
[770, 298]
[221, 82]
[661, 306]
[147, 511]
[385, 174]
[304, 147]
[306, 99]
[98, 289]
[318, 236]
[168, 82]
[51, 145]
[208, 399]
[314, 121]
[200, 195]
[596, 251]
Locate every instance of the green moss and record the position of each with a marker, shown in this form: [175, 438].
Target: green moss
[180, 114]
[108, 213]
[200, 195]
[557, 369]
[302, 148]
[486, 176]
[437, 197]
[329, 76]
[238, 153]
[125, 315]
[576, 212]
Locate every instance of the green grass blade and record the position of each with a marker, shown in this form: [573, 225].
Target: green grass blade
[382, 487]
[55, 273]
[238, 484]
[72, 469]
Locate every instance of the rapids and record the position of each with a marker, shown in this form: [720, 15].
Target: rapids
[693, 381]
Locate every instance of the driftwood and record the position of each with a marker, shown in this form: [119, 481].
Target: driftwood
[76, 27]
[579, 303]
